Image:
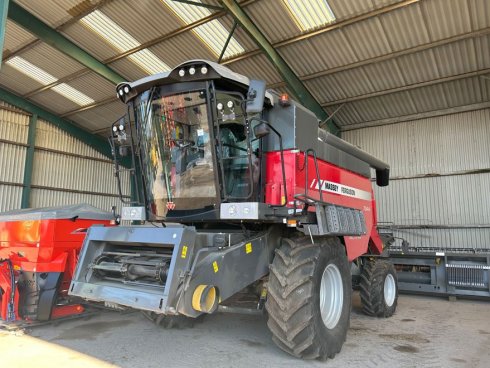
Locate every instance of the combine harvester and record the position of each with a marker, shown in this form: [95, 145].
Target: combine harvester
[38, 253]
[237, 186]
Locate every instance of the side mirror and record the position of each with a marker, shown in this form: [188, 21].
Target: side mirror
[255, 96]
[261, 130]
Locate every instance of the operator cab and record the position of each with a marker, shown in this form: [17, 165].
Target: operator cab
[190, 142]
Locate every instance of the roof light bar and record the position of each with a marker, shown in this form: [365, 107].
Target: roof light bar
[213, 34]
[45, 78]
[310, 14]
[122, 41]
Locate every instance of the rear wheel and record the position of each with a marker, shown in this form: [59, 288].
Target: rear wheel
[378, 288]
[309, 297]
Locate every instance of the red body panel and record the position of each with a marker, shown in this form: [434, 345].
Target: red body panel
[339, 186]
[44, 246]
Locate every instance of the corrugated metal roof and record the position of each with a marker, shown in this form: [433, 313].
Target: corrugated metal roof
[480, 13]
[173, 52]
[273, 19]
[409, 26]
[94, 86]
[16, 81]
[85, 38]
[344, 9]
[405, 27]
[154, 15]
[367, 47]
[54, 14]
[326, 51]
[240, 35]
[51, 60]
[100, 118]
[456, 58]
[446, 18]
[54, 101]
[15, 38]
[257, 67]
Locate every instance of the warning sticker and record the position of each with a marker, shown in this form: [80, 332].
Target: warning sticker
[248, 248]
[215, 267]
[184, 252]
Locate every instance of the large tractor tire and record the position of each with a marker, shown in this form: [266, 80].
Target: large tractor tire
[378, 288]
[309, 297]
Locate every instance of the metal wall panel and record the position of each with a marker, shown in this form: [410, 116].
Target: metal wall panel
[49, 136]
[60, 171]
[85, 170]
[439, 145]
[13, 127]
[12, 160]
[65, 170]
[10, 197]
[44, 198]
[441, 174]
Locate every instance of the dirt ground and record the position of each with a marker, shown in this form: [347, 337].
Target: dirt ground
[425, 332]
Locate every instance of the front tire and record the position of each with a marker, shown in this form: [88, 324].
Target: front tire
[309, 297]
[378, 288]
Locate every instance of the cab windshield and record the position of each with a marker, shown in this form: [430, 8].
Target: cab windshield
[173, 132]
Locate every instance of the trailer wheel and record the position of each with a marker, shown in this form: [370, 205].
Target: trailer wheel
[309, 297]
[171, 322]
[378, 288]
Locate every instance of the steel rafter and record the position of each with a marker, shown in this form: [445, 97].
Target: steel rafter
[295, 85]
[45, 33]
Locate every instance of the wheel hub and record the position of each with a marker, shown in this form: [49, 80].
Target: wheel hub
[331, 296]
[389, 290]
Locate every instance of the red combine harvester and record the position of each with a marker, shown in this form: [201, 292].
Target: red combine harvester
[238, 189]
[38, 253]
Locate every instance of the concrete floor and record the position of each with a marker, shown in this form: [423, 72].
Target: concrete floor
[425, 332]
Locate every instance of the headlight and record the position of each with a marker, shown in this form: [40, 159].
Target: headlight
[230, 104]
[114, 128]
[121, 127]
[121, 92]
[181, 72]
[192, 70]
[219, 106]
[232, 210]
[204, 70]
[126, 89]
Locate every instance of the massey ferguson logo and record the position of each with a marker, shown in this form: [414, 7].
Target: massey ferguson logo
[330, 187]
[170, 206]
